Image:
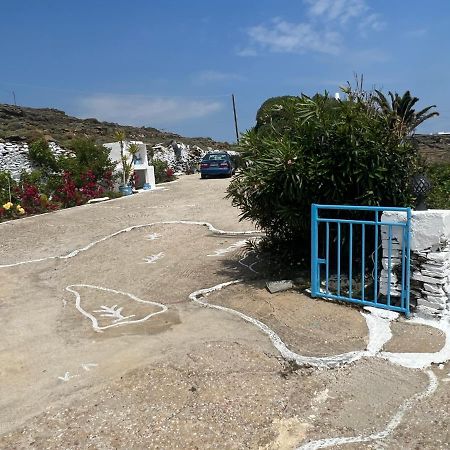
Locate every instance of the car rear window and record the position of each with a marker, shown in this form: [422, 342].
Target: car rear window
[215, 157]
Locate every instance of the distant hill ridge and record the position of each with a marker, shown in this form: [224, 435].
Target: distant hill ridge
[19, 123]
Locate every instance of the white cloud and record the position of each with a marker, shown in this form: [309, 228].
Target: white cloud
[213, 76]
[142, 110]
[337, 10]
[323, 31]
[371, 22]
[247, 51]
[285, 37]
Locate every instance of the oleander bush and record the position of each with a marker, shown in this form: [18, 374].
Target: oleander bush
[320, 149]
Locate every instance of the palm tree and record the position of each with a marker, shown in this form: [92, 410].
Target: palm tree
[120, 136]
[398, 110]
[133, 150]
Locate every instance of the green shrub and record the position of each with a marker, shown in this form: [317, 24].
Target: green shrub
[87, 157]
[352, 152]
[41, 155]
[276, 114]
[439, 176]
[163, 173]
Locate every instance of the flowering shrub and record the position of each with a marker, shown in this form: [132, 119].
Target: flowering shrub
[70, 194]
[169, 173]
[11, 211]
[63, 182]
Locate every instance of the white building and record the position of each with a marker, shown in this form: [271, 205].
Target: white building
[145, 172]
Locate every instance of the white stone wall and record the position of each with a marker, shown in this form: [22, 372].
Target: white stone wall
[181, 157]
[430, 259]
[14, 156]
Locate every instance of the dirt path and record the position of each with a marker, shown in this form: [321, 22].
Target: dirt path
[101, 346]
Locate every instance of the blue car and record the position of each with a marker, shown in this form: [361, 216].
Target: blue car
[216, 163]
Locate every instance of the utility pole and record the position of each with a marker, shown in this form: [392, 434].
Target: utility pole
[235, 119]
[14, 95]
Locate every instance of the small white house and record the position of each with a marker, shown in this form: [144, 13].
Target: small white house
[145, 172]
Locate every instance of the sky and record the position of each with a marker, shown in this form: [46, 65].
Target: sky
[173, 65]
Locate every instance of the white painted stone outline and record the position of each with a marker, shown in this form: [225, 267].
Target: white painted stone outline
[92, 318]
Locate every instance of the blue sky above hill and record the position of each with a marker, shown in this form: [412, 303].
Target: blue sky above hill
[174, 64]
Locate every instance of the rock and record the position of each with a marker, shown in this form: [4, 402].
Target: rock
[434, 289]
[431, 305]
[279, 286]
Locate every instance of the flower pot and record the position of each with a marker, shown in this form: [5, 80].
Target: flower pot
[125, 190]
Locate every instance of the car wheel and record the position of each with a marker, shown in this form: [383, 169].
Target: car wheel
[203, 176]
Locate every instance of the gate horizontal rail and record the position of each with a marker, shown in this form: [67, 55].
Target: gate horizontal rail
[345, 231]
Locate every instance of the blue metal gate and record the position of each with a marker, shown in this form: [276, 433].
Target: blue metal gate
[345, 256]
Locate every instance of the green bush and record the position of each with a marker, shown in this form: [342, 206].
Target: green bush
[163, 173]
[276, 114]
[439, 176]
[41, 155]
[87, 156]
[330, 151]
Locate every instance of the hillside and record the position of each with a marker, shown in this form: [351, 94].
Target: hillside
[18, 123]
[434, 147]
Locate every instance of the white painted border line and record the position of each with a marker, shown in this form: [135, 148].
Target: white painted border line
[422, 360]
[126, 230]
[390, 427]
[377, 334]
[378, 324]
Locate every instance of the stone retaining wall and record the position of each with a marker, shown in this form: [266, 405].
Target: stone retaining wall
[14, 157]
[430, 260]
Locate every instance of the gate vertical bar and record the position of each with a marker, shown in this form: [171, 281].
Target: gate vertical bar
[339, 258]
[388, 289]
[350, 262]
[314, 251]
[363, 259]
[403, 262]
[375, 262]
[408, 259]
[327, 253]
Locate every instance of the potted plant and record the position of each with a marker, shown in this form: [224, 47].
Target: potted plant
[133, 150]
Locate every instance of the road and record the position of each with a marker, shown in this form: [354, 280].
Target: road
[109, 340]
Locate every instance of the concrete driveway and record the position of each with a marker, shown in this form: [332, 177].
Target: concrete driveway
[111, 339]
